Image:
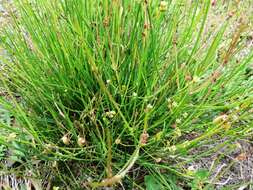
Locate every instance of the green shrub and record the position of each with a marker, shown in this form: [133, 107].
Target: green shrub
[99, 88]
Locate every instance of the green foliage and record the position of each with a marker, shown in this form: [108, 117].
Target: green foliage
[107, 86]
[200, 177]
[160, 181]
[151, 183]
[2, 152]
[4, 116]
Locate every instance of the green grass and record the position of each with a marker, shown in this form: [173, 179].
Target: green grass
[105, 92]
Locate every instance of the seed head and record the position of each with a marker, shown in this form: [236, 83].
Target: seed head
[110, 114]
[163, 6]
[55, 164]
[49, 146]
[158, 135]
[66, 140]
[158, 160]
[230, 14]
[195, 79]
[146, 26]
[117, 141]
[226, 125]
[178, 121]
[191, 168]
[106, 22]
[188, 77]
[174, 104]
[220, 119]
[11, 137]
[81, 141]
[148, 108]
[169, 100]
[135, 94]
[185, 114]
[56, 188]
[144, 138]
[237, 108]
[172, 148]
[174, 126]
[178, 132]
[235, 117]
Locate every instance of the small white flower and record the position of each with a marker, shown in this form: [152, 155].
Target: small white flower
[149, 106]
[135, 94]
[111, 114]
[172, 148]
[178, 121]
[238, 145]
[235, 117]
[12, 135]
[174, 104]
[158, 160]
[169, 100]
[237, 108]
[185, 114]
[186, 144]
[178, 132]
[163, 6]
[55, 164]
[49, 146]
[191, 168]
[195, 79]
[108, 81]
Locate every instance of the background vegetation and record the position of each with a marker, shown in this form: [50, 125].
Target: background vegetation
[122, 93]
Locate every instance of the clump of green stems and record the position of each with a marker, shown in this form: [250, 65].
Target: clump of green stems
[115, 85]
